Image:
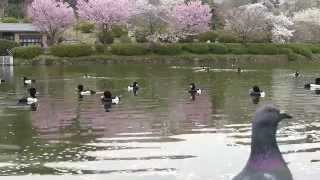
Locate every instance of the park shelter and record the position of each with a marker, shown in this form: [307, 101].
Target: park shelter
[24, 34]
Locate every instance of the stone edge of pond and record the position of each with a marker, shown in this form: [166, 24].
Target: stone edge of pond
[239, 60]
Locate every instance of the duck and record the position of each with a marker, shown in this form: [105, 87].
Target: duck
[207, 69]
[86, 76]
[107, 98]
[255, 91]
[316, 85]
[194, 91]
[296, 74]
[27, 81]
[82, 92]
[134, 87]
[29, 100]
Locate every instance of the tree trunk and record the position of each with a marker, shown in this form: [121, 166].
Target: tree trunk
[26, 4]
[3, 7]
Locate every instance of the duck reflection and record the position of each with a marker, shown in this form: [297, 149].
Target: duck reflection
[255, 99]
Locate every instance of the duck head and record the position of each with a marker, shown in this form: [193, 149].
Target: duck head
[107, 94]
[239, 70]
[80, 88]
[135, 84]
[192, 86]
[256, 89]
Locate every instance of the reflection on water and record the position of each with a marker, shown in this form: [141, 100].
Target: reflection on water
[158, 134]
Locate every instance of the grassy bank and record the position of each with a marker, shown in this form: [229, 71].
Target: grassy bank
[168, 53]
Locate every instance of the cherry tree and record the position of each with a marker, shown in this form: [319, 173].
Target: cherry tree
[191, 18]
[152, 16]
[311, 16]
[281, 31]
[307, 25]
[51, 17]
[247, 20]
[105, 12]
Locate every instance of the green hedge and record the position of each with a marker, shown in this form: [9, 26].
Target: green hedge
[71, 50]
[6, 44]
[236, 48]
[289, 52]
[315, 48]
[101, 48]
[196, 48]
[136, 49]
[27, 52]
[9, 20]
[301, 49]
[167, 49]
[218, 48]
[85, 27]
[262, 48]
[129, 49]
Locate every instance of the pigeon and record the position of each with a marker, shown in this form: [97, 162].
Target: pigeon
[265, 161]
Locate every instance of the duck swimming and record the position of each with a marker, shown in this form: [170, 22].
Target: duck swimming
[134, 87]
[194, 91]
[83, 92]
[316, 85]
[107, 98]
[27, 81]
[29, 100]
[255, 91]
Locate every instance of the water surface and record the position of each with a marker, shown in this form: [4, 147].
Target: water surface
[159, 134]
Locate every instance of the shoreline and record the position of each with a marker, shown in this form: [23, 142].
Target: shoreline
[187, 59]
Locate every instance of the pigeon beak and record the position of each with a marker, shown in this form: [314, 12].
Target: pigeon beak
[284, 115]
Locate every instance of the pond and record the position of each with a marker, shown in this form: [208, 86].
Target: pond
[160, 134]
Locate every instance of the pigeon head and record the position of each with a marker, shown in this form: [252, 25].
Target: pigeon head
[264, 128]
[268, 116]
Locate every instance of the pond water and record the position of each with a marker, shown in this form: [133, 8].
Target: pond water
[159, 134]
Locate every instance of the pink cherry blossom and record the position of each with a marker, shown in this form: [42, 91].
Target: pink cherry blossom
[192, 17]
[51, 17]
[105, 12]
